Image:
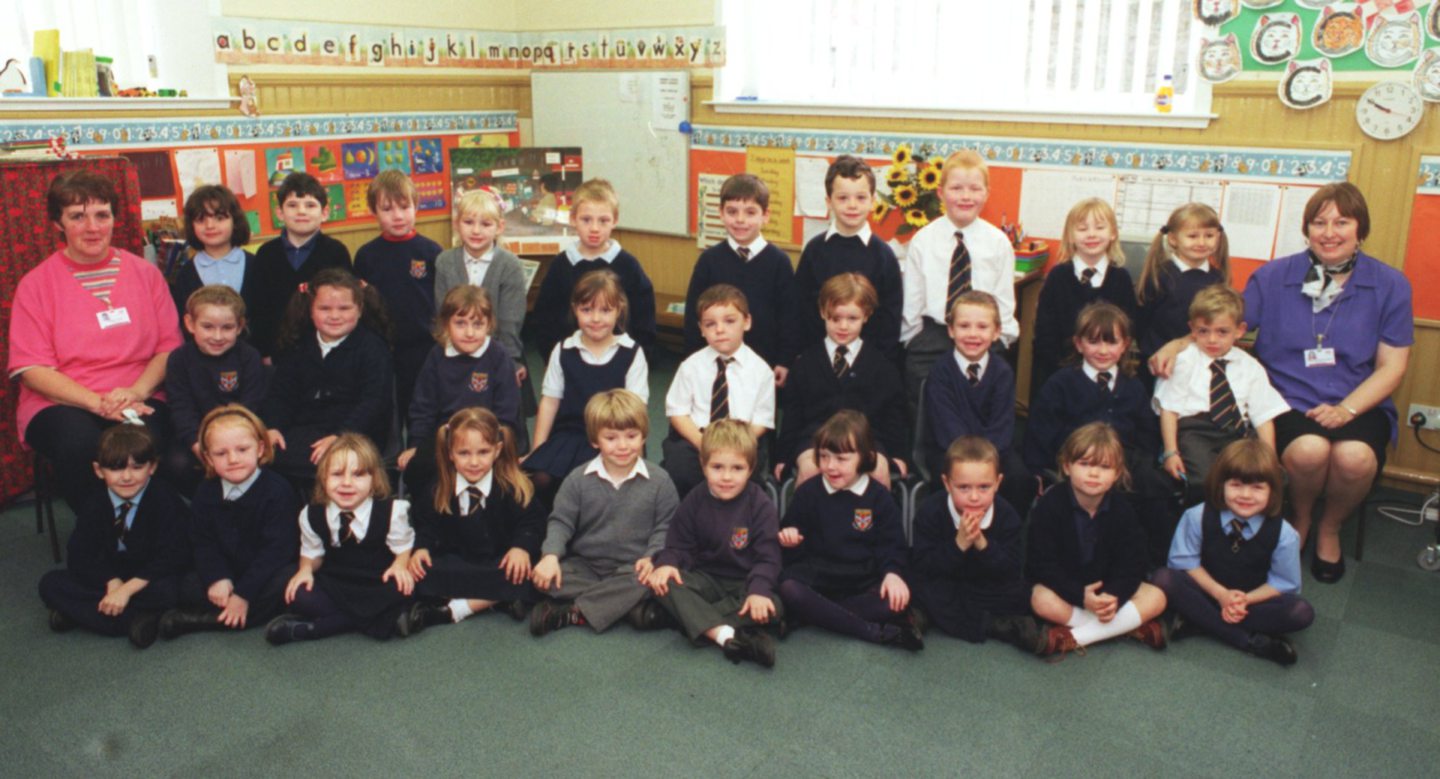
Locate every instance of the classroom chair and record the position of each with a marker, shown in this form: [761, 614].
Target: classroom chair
[45, 502]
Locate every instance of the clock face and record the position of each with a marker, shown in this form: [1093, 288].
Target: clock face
[1389, 110]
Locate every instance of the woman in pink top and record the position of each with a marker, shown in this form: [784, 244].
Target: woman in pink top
[90, 331]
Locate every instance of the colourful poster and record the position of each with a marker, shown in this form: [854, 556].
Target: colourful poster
[425, 156]
[394, 155]
[335, 212]
[323, 163]
[430, 193]
[359, 161]
[281, 162]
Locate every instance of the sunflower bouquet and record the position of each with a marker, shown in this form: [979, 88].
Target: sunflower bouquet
[914, 190]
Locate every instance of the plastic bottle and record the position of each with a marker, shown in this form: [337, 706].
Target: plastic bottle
[1165, 95]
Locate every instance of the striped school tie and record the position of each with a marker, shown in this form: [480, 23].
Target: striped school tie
[744, 252]
[1087, 276]
[1103, 380]
[959, 272]
[120, 515]
[1223, 411]
[476, 499]
[1236, 534]
[972, 373]
[840, 365]
[347, 533]
[720, 391]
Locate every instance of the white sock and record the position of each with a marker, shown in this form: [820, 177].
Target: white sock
[724, 633]
[1126, 620]
[1079, 617]
[460, 609]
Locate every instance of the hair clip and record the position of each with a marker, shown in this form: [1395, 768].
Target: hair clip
[1164, 229]
[304, 288]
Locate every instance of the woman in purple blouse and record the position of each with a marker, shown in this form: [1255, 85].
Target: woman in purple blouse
[1334, 328]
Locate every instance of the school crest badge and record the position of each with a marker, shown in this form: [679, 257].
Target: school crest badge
[739, 538]
[417, 269]
[479, 381]
[864, 519]
[229, 380]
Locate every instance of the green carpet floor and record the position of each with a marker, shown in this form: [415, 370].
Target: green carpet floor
[484, 698]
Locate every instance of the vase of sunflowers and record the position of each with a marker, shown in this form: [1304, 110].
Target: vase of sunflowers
[914, 192]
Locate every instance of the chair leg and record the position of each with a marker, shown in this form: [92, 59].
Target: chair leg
[45, 504]
[37, 472]
[1360, 532]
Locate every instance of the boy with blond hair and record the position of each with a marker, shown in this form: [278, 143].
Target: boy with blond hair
[951, 256]
[593, 216]
[609, 521]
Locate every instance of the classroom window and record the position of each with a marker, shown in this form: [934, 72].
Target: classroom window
[176, 33]
[1092, 57]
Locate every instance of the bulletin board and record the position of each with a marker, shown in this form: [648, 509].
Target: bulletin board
[629, 125]
[173, 156]
[1422, 255]
[1034, 182]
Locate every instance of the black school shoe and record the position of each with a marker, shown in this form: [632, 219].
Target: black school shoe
[551, 615]
[144, 629]
[59, 623]
[753, 645]
[518, 610]
[904, 635]
[432, 614]
[1020, 631]
[1276, 649]
[650, 615]
[178, 622]
[1325, 572]
[289, 627]
[411, 620]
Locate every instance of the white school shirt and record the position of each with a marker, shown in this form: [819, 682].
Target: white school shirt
[1180, 264]
[751, 388]
[864, 233]
[756, 246]
[964, 363]
[859, 487]
[1096, 281]
[852, 350]
[475, 267]
[926, 276]
[637, 379]
[400, 539]
[1093, 374]
[328, 346]
[957, 518]
[597, 468]
[572, 252]
[462, 484]
[1187, 391]
[451, 351]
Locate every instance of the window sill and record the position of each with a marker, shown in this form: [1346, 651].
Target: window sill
[89, 104]
[1197, 121]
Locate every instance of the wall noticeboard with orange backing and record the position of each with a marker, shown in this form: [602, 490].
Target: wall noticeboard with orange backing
[1422, 255]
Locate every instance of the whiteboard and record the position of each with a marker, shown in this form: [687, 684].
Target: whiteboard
[627, 130]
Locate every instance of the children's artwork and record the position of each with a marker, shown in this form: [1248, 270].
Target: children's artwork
[1276, 38]
[281, 162]
[425, 156]
[253, 218]
[1260, 4]
[1432, 21]
[534, 185]
[1338, 31]
[1426, 76]
[430, 194]
[355, 198]
[359, 161]
[1314, 4]
[197, 167]
[157, 178]
[1215, 12]
[1219, 59]
[249, 100]
[1394, 41]
[394, 155]
[335, 210]
[240, 172]
[321, 162]
[1306, 83]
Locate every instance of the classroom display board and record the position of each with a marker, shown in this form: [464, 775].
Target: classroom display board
[629, 125]
[1422, 254]
[535, 188]
[174, 156]
[1259, 193]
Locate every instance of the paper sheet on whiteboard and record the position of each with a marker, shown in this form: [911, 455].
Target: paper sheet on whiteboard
[1047, 195]
[1144, 202]
[196, 168]
[1250, 214]
[810, 187]
[709, 229]
[1289, 239]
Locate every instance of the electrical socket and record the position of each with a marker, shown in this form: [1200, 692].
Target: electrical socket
[1430, 413]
